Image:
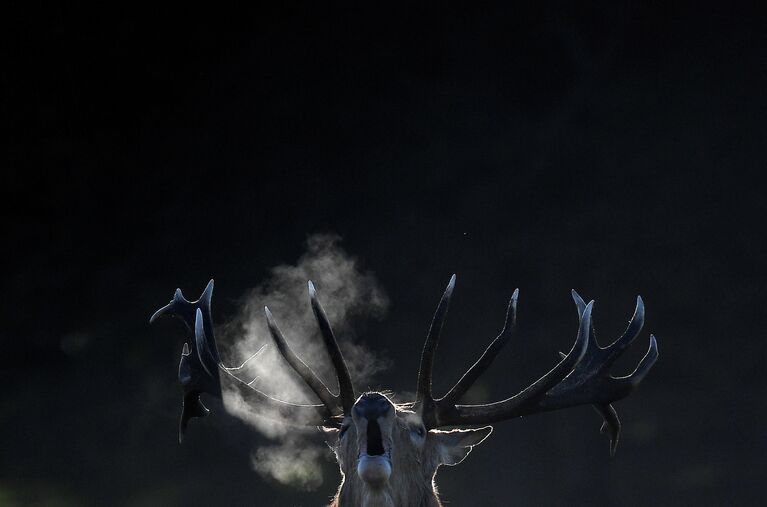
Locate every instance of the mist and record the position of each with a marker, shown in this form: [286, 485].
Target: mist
[349, 295]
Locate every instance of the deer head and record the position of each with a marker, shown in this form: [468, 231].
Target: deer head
[388, 457]
[389, 453]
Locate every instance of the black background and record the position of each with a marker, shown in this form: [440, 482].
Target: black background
[610, 148]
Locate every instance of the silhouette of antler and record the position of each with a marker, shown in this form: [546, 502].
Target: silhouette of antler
[581, 378]
[337, 404]
[201, 370]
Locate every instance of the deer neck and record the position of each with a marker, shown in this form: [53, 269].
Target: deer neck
[354, 493]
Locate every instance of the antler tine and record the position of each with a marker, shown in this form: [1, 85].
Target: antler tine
[611, 424]
[633, 329]
[203, 347]
[634, 378]
[423, 387]
[580, 305]
[487, 357]
[306, 373]
[345, 385]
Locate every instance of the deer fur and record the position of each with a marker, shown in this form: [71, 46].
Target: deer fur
[416, 455]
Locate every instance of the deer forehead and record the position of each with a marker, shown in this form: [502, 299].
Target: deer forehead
[403, 417]
[371, 406]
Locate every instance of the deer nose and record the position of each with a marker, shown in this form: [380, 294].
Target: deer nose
[371, 406]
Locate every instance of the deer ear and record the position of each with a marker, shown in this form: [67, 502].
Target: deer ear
[453, 446]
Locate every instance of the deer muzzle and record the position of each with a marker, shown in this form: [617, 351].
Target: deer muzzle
[373, 416]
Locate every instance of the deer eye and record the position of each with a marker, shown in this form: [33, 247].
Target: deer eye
[419, 430]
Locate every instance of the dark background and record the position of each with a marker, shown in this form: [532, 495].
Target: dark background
[610, 148]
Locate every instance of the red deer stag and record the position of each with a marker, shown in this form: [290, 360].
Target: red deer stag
[389, 453]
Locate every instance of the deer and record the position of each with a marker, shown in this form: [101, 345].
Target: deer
[389, 453]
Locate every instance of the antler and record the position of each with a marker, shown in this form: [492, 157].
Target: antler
[337, 404]
[580, 378]
[201, 370]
